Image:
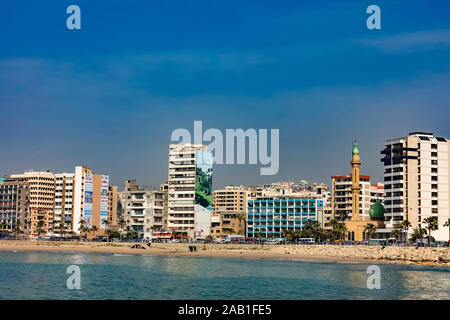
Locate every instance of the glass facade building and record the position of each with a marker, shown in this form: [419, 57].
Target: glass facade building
[270, 216]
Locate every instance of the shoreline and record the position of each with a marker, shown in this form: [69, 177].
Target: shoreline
[424, 256]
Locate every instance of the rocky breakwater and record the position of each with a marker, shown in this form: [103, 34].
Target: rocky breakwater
[407, 255]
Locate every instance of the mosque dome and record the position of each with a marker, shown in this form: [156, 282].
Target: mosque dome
[376, 211]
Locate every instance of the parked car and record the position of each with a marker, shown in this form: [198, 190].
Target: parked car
[273, 241]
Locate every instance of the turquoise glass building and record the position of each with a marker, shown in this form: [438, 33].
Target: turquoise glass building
[270, 216]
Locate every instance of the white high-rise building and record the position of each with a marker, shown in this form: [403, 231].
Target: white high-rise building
[416, 178]
[63, 202]
[189, 190]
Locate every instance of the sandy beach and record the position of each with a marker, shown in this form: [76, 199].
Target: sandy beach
[331, 253]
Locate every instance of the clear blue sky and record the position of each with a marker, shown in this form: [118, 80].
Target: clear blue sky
[109, 95]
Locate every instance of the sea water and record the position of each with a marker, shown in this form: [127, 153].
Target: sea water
[43, 275]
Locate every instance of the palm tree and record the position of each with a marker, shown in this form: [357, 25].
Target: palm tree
[395, 234]
[341, 229]
[371, 230]
[94, 229]
[128, 231]
[62, 229]
[240, 217]
[328, 235]
[405, 224]
[108, 233]
[83, 229]
[259, 236]
[288, 234]
[28, 223]
[313, 229]
[54, 223]
[40, 227]
[418, 233]
[447, 224]
[333, 223]
[432, 224]
[16, 228]
[121, 222]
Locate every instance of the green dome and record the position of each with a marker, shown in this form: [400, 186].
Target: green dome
[376, 211]
[355, 149]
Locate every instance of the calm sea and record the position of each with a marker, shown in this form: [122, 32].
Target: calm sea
[41, 275]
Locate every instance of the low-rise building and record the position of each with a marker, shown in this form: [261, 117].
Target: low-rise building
[144, 209]
[270, 216]
[229, 210]
[14, 204]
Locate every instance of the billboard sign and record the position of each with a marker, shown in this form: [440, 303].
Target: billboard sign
[88, 190]
[104, 201]
[203, 193]
[203, 183]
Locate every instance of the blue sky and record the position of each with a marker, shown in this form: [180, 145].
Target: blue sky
[109, 95]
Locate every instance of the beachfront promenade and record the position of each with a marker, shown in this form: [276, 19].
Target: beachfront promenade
[439, 256]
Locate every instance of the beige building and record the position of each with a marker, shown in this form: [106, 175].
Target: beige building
[341, 196]
[113, 201]
[42, 198]
[229, 211]
[416, 177]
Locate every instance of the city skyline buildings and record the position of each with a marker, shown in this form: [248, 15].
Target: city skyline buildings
[64, 199]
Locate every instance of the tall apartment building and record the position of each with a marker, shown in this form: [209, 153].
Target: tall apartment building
[341, 196]
[42, 198]
[14, 204]
[91, 200]
[416, 177]
[144, 209]
[190, 190]
[270, 216]
[63, 202]
[229, 211]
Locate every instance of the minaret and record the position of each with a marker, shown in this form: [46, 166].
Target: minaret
[356, 188]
